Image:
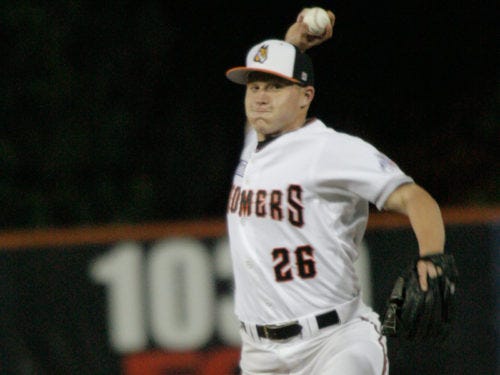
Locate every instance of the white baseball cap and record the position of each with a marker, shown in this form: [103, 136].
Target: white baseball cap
[275, 57]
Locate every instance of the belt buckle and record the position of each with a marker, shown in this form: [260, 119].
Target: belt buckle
[266, 332]
[268, 327]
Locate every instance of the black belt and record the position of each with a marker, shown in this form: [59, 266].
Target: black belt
[285, 331]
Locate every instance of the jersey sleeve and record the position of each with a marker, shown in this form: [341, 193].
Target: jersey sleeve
[349, 163]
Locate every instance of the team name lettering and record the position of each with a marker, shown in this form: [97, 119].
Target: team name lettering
[275, 204]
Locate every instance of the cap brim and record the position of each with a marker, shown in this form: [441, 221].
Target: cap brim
[239, 74]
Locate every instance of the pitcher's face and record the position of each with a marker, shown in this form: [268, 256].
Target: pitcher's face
[274, 105]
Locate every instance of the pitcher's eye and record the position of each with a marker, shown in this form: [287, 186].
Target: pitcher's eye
[276, 85]
[253, 87]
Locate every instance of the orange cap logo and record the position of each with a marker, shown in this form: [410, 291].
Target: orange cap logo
[261, 54]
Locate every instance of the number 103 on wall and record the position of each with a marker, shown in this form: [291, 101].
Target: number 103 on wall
[166, 294]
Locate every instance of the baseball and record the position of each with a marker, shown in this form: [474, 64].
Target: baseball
[316, 19]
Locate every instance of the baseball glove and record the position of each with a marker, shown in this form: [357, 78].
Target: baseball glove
[418, 315]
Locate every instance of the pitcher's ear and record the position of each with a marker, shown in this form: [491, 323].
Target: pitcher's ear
[308, 95]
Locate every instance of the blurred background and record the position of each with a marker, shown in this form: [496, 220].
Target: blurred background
[119, 111]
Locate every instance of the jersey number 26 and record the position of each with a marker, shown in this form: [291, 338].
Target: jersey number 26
[304, 260]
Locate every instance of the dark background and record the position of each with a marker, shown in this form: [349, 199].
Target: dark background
[119, 111]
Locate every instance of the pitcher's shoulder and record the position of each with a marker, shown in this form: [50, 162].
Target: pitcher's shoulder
[320, 131]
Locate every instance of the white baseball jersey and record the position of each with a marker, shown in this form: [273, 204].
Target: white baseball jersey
[297, 212]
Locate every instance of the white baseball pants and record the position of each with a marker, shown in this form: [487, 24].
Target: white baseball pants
[352, 348]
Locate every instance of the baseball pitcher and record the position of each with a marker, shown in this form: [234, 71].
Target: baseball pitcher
[296, 216]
